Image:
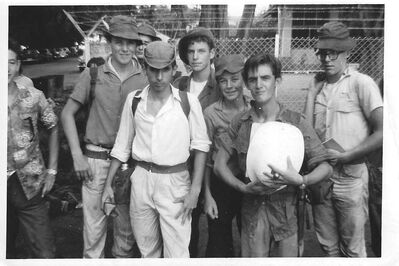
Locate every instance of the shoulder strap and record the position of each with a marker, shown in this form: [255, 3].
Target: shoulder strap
[93, 80]
[183, 83]
[185, 104]
[135, 101]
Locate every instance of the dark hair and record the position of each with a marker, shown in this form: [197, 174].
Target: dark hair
[262, 59]
[96, 60]
[14, 46]
[205, 39]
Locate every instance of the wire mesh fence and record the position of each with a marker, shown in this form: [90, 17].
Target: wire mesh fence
[299, 61]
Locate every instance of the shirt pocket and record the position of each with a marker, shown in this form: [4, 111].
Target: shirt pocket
[346, 103]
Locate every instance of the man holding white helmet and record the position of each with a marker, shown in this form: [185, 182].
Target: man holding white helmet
[268, 216]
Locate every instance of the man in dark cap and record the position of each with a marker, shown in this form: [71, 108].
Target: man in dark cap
[158, 134]
[345, 107]
[197, 49]
[120, 75]
[147, 34]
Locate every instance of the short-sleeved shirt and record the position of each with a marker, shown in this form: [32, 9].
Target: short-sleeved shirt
[23, 153]
[217, 122]
[342, 109]
[210, 93]
[280, 211]
[109, 96]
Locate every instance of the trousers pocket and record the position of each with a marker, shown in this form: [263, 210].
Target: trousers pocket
[320, 191]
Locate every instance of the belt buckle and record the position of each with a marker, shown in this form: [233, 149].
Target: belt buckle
[150, 166]
[108, 152]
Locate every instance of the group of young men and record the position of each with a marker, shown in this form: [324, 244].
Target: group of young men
[192, 134]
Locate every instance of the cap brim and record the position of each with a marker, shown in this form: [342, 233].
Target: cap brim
[231, 69]
[125, 36]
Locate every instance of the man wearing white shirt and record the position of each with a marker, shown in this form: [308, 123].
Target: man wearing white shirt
[159, 137]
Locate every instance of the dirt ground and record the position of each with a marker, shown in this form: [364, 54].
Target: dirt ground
[67, 227]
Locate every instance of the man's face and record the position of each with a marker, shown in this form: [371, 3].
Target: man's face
[13, 66]
[332, 62]
[199, 56]
[262, 83]
[160, 79]
[140, 49]
[122, 50]
[231, 85]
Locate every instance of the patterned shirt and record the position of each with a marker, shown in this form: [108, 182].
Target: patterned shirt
[23, 153]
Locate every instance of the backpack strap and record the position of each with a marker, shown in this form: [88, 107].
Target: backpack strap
[135, 101]
[185, 104]
[93, 80]
[183, 83]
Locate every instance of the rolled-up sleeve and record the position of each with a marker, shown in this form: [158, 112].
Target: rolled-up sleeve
[198, 133]
[124, 139]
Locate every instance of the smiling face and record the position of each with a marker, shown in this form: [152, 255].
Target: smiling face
[122, 50]
[199, 55]
[262, 83]
[231, 85]
[13, 66]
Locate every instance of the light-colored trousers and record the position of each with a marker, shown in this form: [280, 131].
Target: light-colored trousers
[153, 210]
[340, 220]
[95, 221]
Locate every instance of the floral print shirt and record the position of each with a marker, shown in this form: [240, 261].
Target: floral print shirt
[23, 153]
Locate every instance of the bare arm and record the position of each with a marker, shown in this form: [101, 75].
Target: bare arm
[108, 191]
[224, 172]
[81, 165]
[190, 200]
[370, 144]
[210, 206]
[53, 159]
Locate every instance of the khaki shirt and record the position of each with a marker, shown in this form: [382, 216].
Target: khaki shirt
[109, 97]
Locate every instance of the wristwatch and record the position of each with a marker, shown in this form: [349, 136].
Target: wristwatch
[304, 182]
[52, 171]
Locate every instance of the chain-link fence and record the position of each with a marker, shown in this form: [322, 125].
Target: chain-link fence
[299, 61]
[299, 57]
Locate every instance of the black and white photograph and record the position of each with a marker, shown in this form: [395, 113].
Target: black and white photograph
[209, 134]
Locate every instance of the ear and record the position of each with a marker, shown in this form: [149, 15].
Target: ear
[174, 69]
[212, 53]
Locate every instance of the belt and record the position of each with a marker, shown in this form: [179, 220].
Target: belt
[277, 195]
[162, 169]
[102, 155]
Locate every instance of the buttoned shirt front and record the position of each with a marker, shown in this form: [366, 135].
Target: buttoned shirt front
[109, 96]
[165, 139]
[342, 109]
[23, 153]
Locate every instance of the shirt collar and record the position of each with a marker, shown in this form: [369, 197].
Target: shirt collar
[108, 67]
[144, 93]
[248, 115]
